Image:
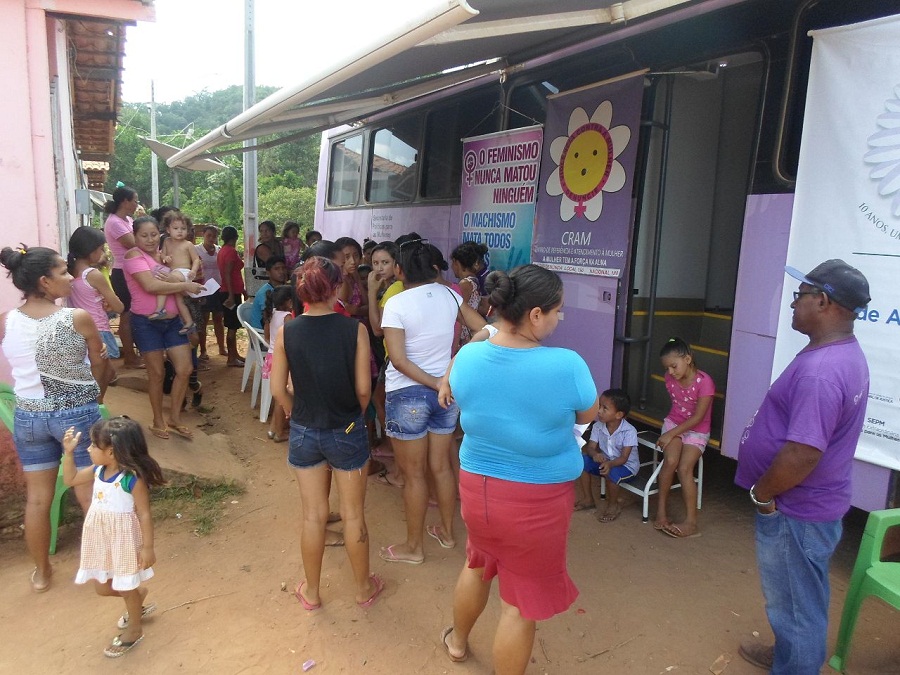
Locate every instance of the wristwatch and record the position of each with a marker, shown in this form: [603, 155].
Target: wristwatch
[756, 501]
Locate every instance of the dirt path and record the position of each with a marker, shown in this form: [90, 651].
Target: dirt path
[648, 603]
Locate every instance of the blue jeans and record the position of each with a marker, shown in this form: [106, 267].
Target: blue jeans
[793, 557]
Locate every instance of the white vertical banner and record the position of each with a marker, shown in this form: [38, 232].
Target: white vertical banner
[847, 205]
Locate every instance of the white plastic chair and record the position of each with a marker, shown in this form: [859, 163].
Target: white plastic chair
[260, 385]
[645, 486]
[243, 313]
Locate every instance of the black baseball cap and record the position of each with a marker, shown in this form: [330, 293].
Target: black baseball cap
[844, 284]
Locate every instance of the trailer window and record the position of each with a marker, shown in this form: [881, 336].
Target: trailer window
[444, 130]
[343, 179]
[393, 162]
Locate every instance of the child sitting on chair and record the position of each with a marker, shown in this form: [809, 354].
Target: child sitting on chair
[611, 453]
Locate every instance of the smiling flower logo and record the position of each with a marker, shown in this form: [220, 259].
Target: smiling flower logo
[586, 162]
[884, 152]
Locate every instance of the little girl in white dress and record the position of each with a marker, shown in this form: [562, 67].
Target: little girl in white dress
[117, 540]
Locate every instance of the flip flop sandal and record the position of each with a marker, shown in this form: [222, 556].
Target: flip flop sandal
[435, 532]
[456, 659]
[307, 605]
[160, 433]
[676, 532]
[379, 586]
[384, 480]
[387, 554]
[118, 648]
[181, 430]
[146, 610]
[275, 438]
[34, 585]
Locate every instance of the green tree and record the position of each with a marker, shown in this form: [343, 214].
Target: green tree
[284, 203]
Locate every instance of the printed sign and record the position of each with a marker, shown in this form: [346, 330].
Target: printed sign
[847, 205]
[584, 208]
[499, 188]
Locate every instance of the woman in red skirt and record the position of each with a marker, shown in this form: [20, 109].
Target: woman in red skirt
[519, 460]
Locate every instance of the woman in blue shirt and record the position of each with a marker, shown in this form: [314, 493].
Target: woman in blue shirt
[519, 460]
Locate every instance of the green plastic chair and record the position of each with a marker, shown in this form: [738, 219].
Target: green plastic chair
[7, 408]
[873, 574]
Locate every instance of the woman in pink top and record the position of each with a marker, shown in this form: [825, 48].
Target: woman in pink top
[92, 293]
[120, 238]
[145, 275]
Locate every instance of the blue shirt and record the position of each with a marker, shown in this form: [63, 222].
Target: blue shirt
[517, 408]
[259, 303]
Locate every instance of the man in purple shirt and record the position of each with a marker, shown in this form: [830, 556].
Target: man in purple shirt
[795, 458]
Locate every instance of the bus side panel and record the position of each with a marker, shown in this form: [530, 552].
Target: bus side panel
[757, 304]
[440, 224]
[588, 322]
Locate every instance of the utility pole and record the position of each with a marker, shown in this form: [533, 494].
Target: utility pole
[154, 164]
[251, 217]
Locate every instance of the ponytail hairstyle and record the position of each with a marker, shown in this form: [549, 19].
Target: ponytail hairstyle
[318, 280]
[121, 194]
[514, 295]
[470, 255]
[84, 241]
[27, 265]
[417, 261]
[275, 298]
[676, 346]
[437, 259]
[129, 448]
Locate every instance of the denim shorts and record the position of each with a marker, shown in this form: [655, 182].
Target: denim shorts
[412, 412]
[38, 436]
[153, 336]
[112, 347]
[340, 449]
[617, 474]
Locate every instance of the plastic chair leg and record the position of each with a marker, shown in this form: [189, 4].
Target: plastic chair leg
[248, 366]
[56, 510]
[257, 381]
[265, 403]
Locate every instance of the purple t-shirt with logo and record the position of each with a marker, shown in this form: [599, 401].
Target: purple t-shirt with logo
[819, 400]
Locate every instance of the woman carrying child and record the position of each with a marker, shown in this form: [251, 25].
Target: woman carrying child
[180, 255]
[277, 310]
[92, 293]
[685, 433]
[328, 431]
[117, 539]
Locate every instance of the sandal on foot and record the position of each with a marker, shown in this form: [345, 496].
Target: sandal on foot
[456, 659]
[162, 433]
[384, 480]
[187, 330]
[307, 605]
[437, 532]
[387, 554]
[119, 648]
[660, 526]
[275, 438]
[146, 610]
[379, 586]
[158, 316]
[181, 430]
[674, 531]
[40, 588]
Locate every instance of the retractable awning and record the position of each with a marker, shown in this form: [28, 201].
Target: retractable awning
[451, 43]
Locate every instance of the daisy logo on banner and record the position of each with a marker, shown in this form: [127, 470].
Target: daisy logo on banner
[884, 152]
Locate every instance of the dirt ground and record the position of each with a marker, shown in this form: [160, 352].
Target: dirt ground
[648, 603]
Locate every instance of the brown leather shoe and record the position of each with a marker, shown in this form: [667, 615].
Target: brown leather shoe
[762, 656]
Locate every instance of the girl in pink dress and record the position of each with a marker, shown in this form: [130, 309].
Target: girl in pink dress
[117, 540]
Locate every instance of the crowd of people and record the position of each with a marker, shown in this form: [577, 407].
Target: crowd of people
[407, 357]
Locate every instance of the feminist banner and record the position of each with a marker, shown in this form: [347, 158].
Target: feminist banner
[499, 186]
[847, 205]
[584, 206]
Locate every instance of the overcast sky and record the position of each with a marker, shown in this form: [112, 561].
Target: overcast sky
[199, 44]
